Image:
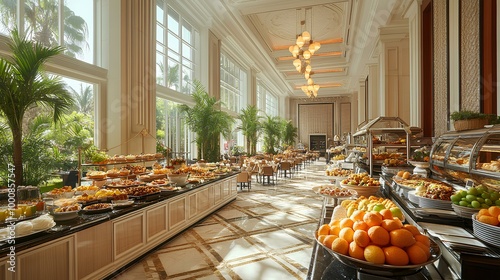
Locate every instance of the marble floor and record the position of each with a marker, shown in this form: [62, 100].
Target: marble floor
[266, 233]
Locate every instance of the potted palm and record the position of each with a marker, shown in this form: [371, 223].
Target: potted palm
[250, 127]
[24, 86]
[466, 119]
[208, 122]
[272, 132]
[289, 133]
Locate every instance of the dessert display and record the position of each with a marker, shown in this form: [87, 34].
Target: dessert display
[493, 165]
[333, 191]
[141, 191]
[96, 175]
[360, 179]
[123, 183]
[97, 208]
[338, 172]
[90, 189]
[68, 207]
[66, 191]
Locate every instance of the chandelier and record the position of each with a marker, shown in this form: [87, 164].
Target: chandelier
[302, 51]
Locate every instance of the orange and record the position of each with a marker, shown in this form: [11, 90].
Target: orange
[335, 230]
[374, 254]
[329, 240]
[359, 225]
[334, 222]
[395, 256]
[346, 222]
[356, 251]
[357, 215]
[321, 238]
[389, 224]
[361, 238]
[347, 234]
[413, 229]
[424, 239]
[482, 212]
[426, 249]
[372, 218]
[324, 230]
[488, 220]
[416, 254]
[386, 214]
[402, 238]
[341, 246]
[379, 236]
[494, 211]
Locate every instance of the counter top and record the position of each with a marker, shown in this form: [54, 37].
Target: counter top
[84, 221]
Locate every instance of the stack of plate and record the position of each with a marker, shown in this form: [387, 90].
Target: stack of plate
[425, 202]
[485, 232]
[464, 212]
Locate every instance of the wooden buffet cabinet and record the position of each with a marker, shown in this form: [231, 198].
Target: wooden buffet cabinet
[99, 248]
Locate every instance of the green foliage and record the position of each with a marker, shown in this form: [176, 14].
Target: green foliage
[468, 115]
[237, 150]
[24, 85]
[289, 133]
[208, 122]
[272, 132]
[251, 127]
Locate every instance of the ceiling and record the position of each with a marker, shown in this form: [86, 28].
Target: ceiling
[343, 27]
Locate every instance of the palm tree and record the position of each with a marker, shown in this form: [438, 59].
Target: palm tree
[289, 133]
[272, 131]
[84, 100]
[42, 18]
[208, 122]
[24, 85]
[251, 127]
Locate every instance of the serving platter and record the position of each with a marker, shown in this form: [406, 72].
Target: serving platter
[384, 269]
[106, 207]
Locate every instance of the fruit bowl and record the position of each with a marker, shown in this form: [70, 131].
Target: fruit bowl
[464, 212]
[384, 269]
[362, 190]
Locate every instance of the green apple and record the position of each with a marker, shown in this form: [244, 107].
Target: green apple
[396, 212]
[377, 207]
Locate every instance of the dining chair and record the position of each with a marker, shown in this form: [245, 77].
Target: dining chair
[244, 180]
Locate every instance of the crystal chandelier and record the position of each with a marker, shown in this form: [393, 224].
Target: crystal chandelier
[302, 51]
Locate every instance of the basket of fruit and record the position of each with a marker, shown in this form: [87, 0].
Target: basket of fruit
[377, 243]
[486, 225]
[468, 202]
[362, 183]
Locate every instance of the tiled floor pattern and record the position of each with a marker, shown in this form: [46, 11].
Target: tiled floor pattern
[266, 233]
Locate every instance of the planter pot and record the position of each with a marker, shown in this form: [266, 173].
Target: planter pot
[470, 124]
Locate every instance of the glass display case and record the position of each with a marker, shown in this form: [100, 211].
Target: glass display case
[384, 138]
[469, 155]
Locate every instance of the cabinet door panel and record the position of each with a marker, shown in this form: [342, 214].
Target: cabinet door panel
[128, 234]
[94, 249]
[177, 212]
[48, 261]
[156, 221]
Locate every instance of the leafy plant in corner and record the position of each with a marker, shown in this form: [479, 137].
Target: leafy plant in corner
[24, 85]
[251, 127]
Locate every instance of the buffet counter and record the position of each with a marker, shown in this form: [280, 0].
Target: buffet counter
[93, 246]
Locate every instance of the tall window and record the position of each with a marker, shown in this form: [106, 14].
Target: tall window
[267, 102]
[176, 49]
[42, 22]
[233, 84]
[171, 128]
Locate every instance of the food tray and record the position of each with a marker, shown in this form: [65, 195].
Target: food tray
[425, 202]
